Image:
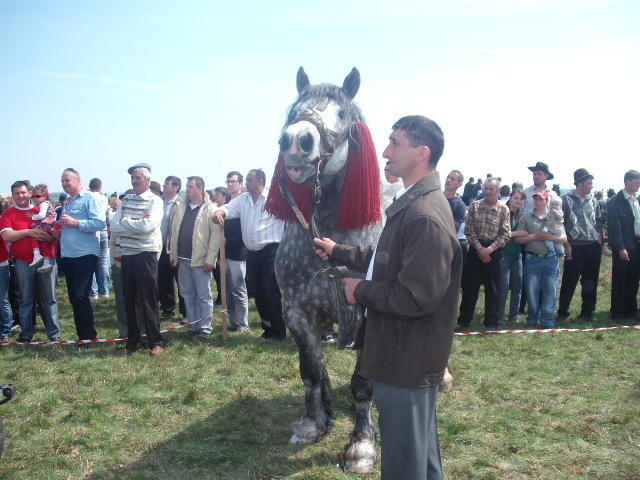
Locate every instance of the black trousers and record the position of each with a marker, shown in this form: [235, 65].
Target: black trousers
[474, 274]
[584, 266]
[624, 284]
[266, 291]
[79, 274]
[140, 281]
[167, 280]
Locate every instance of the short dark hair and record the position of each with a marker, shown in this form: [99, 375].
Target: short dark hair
[505, 191]
[240, 177]
[95, 183]
[20, 183]
[175, 181]
[423, 131]
[471, 179]
[516, 185]
[631, 175]
[260, 176]
[224, 191]
[199, 181]
[460, 176]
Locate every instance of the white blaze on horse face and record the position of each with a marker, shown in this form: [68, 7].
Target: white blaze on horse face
[305, 147]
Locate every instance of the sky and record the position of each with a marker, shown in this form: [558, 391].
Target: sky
[203, 87]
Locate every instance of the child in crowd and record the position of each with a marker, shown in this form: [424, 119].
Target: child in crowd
[44, 218]
[555, 219]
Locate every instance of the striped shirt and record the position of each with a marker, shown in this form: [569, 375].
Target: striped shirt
[487, 224]
[259, 228]
[137, 233]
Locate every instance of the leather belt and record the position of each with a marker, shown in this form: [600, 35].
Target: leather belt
[542, 255]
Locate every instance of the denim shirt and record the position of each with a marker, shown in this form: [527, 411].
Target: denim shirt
[85, 239]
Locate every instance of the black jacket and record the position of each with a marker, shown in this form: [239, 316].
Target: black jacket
[620, 220]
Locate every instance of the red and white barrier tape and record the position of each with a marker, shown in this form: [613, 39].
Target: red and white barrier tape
[457, 334]
[550, 330]
[107, 340]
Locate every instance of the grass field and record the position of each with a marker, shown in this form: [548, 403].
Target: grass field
[524, 406]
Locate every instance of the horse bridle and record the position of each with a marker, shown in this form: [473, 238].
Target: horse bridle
[329, 138]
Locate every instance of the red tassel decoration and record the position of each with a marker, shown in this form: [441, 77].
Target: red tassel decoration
[360, 204]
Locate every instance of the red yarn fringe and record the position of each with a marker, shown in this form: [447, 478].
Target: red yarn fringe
[360, 204]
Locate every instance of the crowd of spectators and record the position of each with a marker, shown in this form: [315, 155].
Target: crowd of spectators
[159, 252]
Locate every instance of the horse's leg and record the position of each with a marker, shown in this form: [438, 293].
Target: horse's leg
[360, 454]
[316, 421]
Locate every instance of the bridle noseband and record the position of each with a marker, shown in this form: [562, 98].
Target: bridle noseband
[330, 139]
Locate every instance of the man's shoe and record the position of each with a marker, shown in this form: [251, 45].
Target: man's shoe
[459, 327]
[233, 327]
[157, 350]
[123, 352]
[561, 318]
[204, 336]
[587, 317]
[5, 340]
[104, 295]
[93, 299]
[490, 329]
[54, 339]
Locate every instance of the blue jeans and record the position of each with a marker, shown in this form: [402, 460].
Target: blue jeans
[195, 288]
[27, 277]
[6, 317]
[541, 276]
[511, 282]
[102, 277]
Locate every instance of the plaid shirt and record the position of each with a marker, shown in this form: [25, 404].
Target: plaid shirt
[487, 224]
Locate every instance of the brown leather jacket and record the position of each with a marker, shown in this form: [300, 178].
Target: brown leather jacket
[412, 299]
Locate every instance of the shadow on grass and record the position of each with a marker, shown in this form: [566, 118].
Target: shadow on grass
[245, 439]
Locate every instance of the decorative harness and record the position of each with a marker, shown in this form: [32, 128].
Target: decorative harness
[330, 140]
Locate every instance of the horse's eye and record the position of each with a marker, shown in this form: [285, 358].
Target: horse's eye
[341, 115]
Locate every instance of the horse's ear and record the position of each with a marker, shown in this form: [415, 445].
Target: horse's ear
[302, 80]
[351, 83]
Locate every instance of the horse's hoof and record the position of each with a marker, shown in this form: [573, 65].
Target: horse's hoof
[446, 384]
[360, 457]
[305, 432]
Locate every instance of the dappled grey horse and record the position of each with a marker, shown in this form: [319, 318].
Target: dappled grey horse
[326, 184]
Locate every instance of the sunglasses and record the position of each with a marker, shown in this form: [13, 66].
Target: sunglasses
[37, 196]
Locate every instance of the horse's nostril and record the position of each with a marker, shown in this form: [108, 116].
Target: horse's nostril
[284, 142]
[305, 141]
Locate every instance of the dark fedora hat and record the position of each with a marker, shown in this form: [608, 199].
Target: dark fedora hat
[139, 165]
[581, 175]
[544, 167]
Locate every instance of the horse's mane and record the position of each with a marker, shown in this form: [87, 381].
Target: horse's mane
[360, 195]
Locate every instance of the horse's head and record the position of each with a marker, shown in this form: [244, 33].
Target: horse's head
[318, 129]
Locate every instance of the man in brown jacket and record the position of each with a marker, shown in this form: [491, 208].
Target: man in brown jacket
[411, 297]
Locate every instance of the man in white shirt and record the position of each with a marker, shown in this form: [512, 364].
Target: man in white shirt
[261, 234]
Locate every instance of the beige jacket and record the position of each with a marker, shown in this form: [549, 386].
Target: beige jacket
[206, 234]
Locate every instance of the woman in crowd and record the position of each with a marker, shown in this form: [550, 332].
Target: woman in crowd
[512, 260]
[541, 267]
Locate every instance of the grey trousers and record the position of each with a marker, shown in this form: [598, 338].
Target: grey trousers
[409, 432]
[237, 300]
